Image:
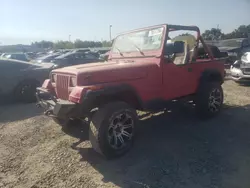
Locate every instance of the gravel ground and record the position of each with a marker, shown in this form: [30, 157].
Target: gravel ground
[173, 150]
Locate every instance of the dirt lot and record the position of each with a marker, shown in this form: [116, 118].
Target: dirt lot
[173, 150]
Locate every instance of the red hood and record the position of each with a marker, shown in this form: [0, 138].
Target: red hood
[107, 72]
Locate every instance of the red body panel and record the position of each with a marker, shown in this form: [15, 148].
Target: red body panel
[142, 74]
[149, 74]
[184, 80]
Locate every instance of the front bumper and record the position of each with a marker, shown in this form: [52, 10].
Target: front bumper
[238, 76]
[55, 107]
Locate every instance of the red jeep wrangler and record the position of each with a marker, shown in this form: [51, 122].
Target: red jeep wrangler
[146, 70]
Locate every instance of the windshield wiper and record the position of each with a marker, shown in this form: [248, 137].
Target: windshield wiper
[138, 49]
[119, 51]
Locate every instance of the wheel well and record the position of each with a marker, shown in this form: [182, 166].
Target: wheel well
[33, 81]
[126, 96]
[36, 82]
[212, 76]
[215, 77]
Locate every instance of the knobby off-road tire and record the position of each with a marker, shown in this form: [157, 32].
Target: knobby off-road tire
[112, 129]
[209, 100]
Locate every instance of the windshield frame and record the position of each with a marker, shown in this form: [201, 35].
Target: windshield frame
[136, 53]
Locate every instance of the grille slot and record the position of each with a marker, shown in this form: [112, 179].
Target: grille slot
[246, 70]
[62, 86]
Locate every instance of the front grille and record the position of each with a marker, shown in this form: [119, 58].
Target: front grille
[246, 70]
[62, 86]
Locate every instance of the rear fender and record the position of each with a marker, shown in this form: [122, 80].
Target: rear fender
[211, 75]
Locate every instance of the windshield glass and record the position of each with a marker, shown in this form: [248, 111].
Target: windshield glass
[15, 64]
[66, 55]
[47, 57]
[149, 39]
[231, 43]
[43, 57]
[7, 56]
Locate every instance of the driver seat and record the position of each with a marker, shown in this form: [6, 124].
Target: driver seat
[182, 58]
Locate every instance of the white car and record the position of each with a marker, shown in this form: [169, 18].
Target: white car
[240, 70]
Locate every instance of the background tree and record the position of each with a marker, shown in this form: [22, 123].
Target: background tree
[210, 34]
[69, 45]
[185, 34]
[79, 44]
[106, 43]
[213, 34]
[241, 32]
[42, 44]
[63, 45]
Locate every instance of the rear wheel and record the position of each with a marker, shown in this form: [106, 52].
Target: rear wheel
[209, 100]
[112, 129]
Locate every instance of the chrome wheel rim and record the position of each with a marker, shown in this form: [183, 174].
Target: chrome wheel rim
[120, 131]
[215, 100]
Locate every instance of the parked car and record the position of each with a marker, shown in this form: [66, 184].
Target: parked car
[103, 51]
[19, 79]
[105, 56]
[74, 58]
[146, 71]
[83, 50]
[3, 55]
[65, 51]
[39, 54]
[46, 58]
[17, 56]
[93, 53]
[53, 51]
[31, 55]
[240, 70]
[214, 49]
[235, 48]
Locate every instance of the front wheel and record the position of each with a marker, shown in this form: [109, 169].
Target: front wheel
[209, 100]
[25, 92]
[112, 129]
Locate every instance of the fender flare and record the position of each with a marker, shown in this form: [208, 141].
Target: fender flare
[109, 91]
[210, 75]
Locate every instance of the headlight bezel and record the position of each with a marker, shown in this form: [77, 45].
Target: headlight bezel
[53, 78]
[73, 81]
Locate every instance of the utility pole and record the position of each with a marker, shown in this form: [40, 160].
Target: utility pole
[110, 37]
[69, 37]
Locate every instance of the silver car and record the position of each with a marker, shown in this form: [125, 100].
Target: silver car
[240, 70]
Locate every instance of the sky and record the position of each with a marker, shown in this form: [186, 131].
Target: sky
[26, 21]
